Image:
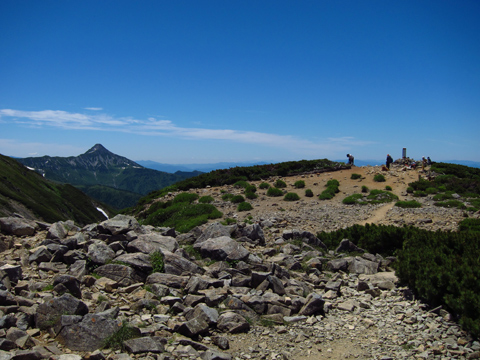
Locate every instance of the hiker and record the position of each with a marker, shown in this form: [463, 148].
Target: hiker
[424, 163]
[429, 161]
[389, 161]
[350, 159]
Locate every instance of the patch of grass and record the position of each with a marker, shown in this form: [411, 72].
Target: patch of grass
[229, 221]
[185, 197]
[388, 188]
[431, 190]
[206, 199]
[237, 199]
[264, 185]
[266, 322]
[244, 206]
[379, 178]
[49, 287]
[227, 197]
[280, 184]
[273, 191]
[251, 189]
[410, 190]
[408, 204]
[300, 184]
[451, 204]
[352, 199]
[308, 193]
[251, 195]
[125, 332]
[419, 193]
[355, 176]
[192, 252]
[156, 259]
[381, 196]
[241, 184]
[365, 189]
[291, 197]
[101, 298]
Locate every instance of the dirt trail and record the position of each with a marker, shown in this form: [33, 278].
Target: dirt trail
[378, 214]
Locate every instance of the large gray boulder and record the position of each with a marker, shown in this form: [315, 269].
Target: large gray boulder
[151, 242]
[170, 280]
[122, 274]
[363, 266]
[49, 313]
[313, 306]
[17, 226]
[177, 265]
[146, 344]
[223, 248]
[100, 253]
[139, 261]
[215, 230]
[232, 323]
[89, 332]
[120, 224]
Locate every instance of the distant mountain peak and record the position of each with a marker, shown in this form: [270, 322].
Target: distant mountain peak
[97, 148]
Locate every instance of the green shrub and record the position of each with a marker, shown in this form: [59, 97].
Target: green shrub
[410, 190]
[185, 198]
[251, 195]
[308, 193]
[328, 193]
[431, 190]
[419, 193]
[237, 199]
[352, 199]
[355, 176]
[227, 197]
[469, 224]
[206, 199]
[192, 252]
[365, 189]
[156, 259]
[440, 197]
[408, 204]
[332, 182]
[241, 184]
[379, 178]
[264, 185]
[300, 184]
[251, 189]
[388, 188]
[381, 196]
[229, 221]
[280, 184]
[244, 206]
[451, 204]
[291, 197]
[273, 191]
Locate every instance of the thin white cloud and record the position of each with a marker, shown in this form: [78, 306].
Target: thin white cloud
[11, 147]
[94, 108]
[166, 128]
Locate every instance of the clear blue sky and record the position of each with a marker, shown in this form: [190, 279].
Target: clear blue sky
[210, 81]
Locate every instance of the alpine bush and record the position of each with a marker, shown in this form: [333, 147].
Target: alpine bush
[206, 199]
[300, 184]
[244, 206]
[308, 193]
[379, 178]
[355, 176]
[273, 191]
[408, 204]
[280, 184]
[264, 185]
[237, 199]
[291, 197]
[352, 199]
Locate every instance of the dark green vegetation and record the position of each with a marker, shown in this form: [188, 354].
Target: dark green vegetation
[244, 206]
[379, 178]
[455, 179]
[442, 268]
[308, 193]
[291, 197]
[375, 197]
[280, 184]
[299, 184]
[256, 173]
[105, 176]
[25, 191]
[156, 259]
[273, 191]
[355, 176]
[182, 213]
[124, 332]
[408, 204]
[330, 191]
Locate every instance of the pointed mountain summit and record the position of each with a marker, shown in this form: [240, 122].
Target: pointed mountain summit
[100, 167]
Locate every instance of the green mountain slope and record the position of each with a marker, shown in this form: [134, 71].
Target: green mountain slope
[98, 166]
[26, 192]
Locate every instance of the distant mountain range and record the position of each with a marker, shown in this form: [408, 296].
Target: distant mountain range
[27, 193]
[173, 168]
[105, 176]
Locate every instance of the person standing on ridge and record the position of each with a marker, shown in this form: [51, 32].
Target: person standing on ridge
[350, 159]
[389, 161]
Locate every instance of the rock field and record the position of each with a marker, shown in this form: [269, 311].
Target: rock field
[246, 291]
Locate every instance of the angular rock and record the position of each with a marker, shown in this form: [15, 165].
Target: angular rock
[149, 243]
[363, 266]
[144, 344]
[100, 253]
[120, 224]
[347, 246]
[177, 265]
[17, 226]
[169, 280]
[193, 327]
[49, 313]
[139, 261]
[313, 306]
[71, 283]
[223, 248]
[232, 323]
[122, 274]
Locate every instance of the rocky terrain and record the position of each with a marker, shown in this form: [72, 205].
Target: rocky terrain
[264, 288]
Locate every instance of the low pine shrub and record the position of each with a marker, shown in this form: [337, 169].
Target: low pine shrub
[241, 184]
[273, 191]
[355, 176]
[264, 185]
[431, 190]
[365, 189]
[308, 193]
[441, 197]
[381, 196]
[291, 197]
[251, 195]
[451, 204]
[410, 190]
[388, 188]
[379, 178]
[469, 224]
[237, 199]
[419, 193]
[206, 199]
[185, 198]
[250, 189]
[333, 182]
[244, 206]
[300, 184]
[156, 259]
[408, 204]
[352, 199]
[227, 197]
[280, 184]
